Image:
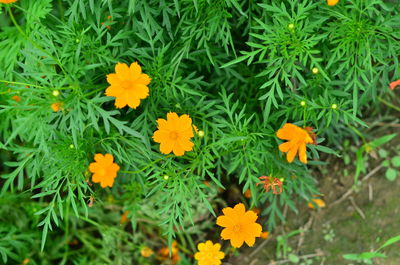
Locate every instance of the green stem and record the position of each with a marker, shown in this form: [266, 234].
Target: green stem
[390, 105]
[20, 83]
[34, 43]
[66, 251]
[147, 166]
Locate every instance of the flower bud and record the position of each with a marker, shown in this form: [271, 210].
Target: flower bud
[315, 70]
[56, 93]
[201, 134]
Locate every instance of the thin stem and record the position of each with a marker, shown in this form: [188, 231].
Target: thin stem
[20, 83]
[146, 167]
[390, 105]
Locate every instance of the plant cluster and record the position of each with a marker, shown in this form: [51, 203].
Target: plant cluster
[85, 87]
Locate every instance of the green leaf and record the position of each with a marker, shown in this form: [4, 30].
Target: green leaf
[391, 174]
[391, 241]
[293, 258]
[396, 161]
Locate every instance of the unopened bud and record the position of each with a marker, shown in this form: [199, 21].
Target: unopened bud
[201, 134]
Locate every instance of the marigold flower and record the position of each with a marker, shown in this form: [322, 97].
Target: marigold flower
[264, 235]
[164, 254]
[209, 253]
[297, 140]
[104, 170]
[247, 194]
[124, 217]
[146, 252]
[394, 84]
[256, 210]
[16, 98]
[128, 85]
[332, 2]
[56, 106]
[8, 1]
[320, 203]
[239, 226]
[174, 134]
[270, 182]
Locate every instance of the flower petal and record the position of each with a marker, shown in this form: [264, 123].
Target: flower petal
[166, 146]
[225, 221]
[122, 71]
[143, 79]
[160, 136]
[302, 153]
[291, 154]
[141, 91]
[113, 79]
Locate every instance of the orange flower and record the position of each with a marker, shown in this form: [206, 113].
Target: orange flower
[256, 210]
[146, 252]
[247, 194]
[320, 203]
[8, 1]
[240, 226]
[297, 140]
[128, 85]
[270, 182]
[104, 170]
[264, 235]
[394, 84]
[56, 106]
[16, 98]
[209, 253]
[174, 134]
[164, 254]
[332, 2]
[124, 217]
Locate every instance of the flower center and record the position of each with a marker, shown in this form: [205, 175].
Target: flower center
[126, 84]
[101, 172]
[173, 135]
[237, 228]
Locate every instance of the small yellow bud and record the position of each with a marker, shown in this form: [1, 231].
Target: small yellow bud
[303, 103]
[291, 26]
[334, 106]
[166, 177]
[56, 93]
[71, 146]
[282, 179]
[315, 70]
[201, 134]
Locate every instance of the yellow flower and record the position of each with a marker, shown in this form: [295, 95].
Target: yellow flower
[124, 217]
[56, 106]
[209, 253]
[146, 252]
[16, 98]
[320, 203]
[174, 134]
[264, 235]
[8, 1]
[128, 85]
[104, 170]
[297, 140]
[240, 226]
[332, 2]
